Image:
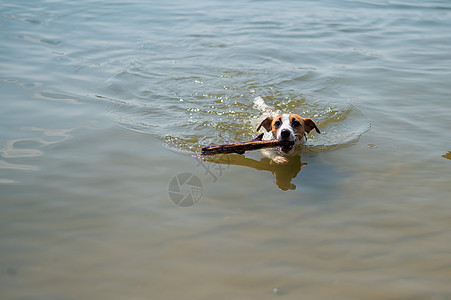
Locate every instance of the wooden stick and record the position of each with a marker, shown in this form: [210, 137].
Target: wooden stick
[242, 147]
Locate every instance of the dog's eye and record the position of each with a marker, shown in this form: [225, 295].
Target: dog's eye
[277, 123]
[296, 123]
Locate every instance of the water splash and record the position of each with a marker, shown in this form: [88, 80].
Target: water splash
[186, 124]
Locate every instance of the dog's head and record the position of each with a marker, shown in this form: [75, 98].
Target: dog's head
[288, 127]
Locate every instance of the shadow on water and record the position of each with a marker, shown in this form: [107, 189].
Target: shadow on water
[283, 173]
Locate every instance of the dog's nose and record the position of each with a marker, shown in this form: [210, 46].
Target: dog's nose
[285, 133]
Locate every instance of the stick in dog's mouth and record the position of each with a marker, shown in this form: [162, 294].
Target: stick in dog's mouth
[242, 147]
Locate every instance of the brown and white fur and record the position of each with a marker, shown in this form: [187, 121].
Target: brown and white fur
[284, 127]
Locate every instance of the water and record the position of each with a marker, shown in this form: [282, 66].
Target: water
[104, 103]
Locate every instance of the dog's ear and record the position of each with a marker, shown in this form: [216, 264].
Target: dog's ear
[266, 124]
[309, 125]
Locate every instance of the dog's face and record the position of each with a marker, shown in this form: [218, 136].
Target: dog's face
[288, 127]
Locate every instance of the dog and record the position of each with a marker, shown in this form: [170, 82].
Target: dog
[283, 127]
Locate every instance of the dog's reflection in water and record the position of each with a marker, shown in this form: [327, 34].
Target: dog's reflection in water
[283, 173]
